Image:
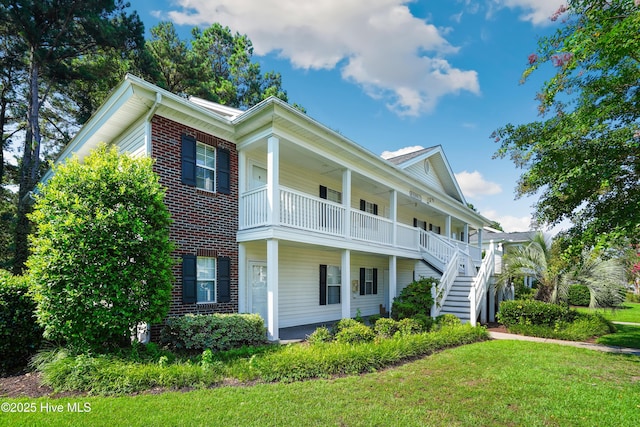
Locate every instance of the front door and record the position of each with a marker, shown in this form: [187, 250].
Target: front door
[258, 289]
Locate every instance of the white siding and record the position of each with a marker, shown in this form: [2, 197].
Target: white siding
[431, 179]
[405, 274]
[133, 140]
[423, 270]
[299, 291]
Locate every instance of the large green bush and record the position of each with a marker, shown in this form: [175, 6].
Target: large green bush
[101, 259]
[218, 332]
[20, 334]
[533, 313]
[414, 299]
[579, 295]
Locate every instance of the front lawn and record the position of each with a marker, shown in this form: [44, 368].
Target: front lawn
[630, 312]
[625, 336]
[493, 383]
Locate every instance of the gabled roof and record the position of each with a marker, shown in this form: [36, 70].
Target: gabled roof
[440, 165]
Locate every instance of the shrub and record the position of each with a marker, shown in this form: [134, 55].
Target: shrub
[101, 259]
[533, 313]
[20, 334]
[631, 297]
[386, 328]
[579, 295]
[414, 299]
[354, 334]
[409, 326]
[343, 324]
[195, 333]
[320, 335]
[524, 292]
[448, 320]
[583, 327]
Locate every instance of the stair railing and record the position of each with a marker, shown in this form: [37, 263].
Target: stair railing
[440, 291]
[481, 283]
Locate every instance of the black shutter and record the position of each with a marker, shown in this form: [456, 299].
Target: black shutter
[363, 205]
[223, 171]
[323, 284]
[224, 279]
[189, 272]
[188, 158]
[362, 285]
[375, 281]
[415, 222]
[323, 192]
[375, 209]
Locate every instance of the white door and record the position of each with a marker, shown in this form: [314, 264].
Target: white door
[258, 289]
[258, 177]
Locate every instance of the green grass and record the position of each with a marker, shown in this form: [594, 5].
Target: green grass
[625, 336]
[629, 313]
[494, 383]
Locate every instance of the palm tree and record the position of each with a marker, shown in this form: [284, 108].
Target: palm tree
[541, 260]
[532, 260]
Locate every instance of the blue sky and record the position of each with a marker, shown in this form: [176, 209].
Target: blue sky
[391, 74]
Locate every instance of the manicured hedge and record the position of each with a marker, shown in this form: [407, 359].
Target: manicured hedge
[533, 312]
[20, 335]
[579, 295]
[218, 332]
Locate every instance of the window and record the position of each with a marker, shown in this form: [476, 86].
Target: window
[334, 280]
[205, 167]
[330, 284]
[206, 279]
[420, 224]
[330, 194]
[368, 281]
[434, 228]
[368, 207]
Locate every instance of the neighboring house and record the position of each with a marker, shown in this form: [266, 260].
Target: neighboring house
[276, 214]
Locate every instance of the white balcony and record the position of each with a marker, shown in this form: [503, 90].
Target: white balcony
[308, 213]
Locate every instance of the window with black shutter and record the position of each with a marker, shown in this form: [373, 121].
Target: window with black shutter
[189, 278]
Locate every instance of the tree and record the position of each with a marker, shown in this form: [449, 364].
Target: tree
[54, 34]
[101, 260]
[583, 156]
[215, 65]
[555, 272]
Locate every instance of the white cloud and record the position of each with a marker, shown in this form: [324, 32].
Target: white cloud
[474, 185]
[509, 223]
[537, 12]
[378, 44]
[400, 152]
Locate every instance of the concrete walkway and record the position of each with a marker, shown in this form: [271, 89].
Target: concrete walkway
[589, 346]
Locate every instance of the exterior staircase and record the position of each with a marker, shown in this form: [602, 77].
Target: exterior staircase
[457, 302]
[463, 286]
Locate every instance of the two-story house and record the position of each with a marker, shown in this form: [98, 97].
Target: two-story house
[274, 213]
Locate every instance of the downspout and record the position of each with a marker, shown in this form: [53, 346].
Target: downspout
[147, 120]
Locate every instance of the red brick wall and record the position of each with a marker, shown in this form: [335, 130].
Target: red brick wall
[204, 223]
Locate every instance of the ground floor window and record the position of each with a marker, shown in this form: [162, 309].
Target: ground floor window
[330, 284]
[368, 281]
[206, 279]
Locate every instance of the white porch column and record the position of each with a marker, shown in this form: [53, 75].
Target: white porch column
[492, 301]
[483, 308]
[273, 180]
[466, 233]
[393, 203]
[242, 278]
[242, 186]
[345, 289]
[447, 226]
[480, 237]
[346, 202]
[393, 275]
[272, 290]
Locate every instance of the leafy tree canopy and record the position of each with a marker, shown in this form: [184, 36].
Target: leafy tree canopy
[583, 156]
[101, 260]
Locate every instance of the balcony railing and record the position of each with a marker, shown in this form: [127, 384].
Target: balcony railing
[305, 212]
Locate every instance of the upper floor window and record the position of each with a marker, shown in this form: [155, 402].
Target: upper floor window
[368, 207]
[330, 194]
[205, 167]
